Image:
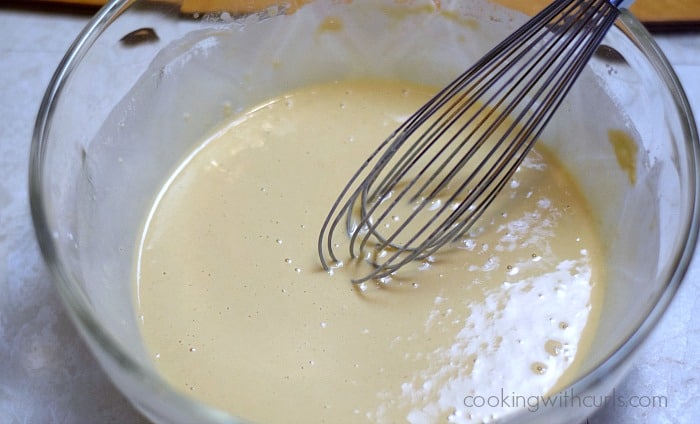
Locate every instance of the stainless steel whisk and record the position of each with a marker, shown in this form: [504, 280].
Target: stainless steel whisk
[435, 175]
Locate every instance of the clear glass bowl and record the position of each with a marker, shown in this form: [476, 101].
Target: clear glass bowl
[146, 79]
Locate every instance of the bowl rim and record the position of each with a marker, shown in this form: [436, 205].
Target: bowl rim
[75, 303]
[100, 340]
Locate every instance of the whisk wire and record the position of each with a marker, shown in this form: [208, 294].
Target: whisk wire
[435, 135]
[448, 161]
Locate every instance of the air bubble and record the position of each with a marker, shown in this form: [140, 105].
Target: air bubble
[456, 414]
[553, 347]
[469, 244]
[539, 368]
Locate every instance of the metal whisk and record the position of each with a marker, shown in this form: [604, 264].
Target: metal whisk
[435, 175]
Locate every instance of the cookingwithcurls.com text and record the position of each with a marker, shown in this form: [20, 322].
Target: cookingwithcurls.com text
[565, 399]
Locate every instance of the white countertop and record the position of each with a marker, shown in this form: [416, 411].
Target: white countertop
[47, 374]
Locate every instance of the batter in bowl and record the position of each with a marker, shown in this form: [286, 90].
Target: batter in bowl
[237, 311]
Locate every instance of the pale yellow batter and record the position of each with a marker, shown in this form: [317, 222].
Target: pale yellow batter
[238, 312]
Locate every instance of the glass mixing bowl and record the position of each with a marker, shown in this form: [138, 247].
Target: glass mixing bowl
[146, 79]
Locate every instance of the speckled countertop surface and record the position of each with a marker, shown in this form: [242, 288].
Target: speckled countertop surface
[47, 374]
